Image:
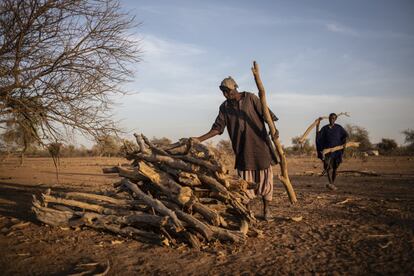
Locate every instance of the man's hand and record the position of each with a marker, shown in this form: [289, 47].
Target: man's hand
[195, 139]
[319, 121]
[276, 133]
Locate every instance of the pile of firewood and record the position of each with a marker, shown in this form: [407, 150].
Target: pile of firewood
[169, 195]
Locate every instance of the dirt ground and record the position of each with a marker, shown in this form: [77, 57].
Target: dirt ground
[365, 227]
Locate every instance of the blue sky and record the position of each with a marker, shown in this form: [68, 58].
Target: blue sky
[315, 57]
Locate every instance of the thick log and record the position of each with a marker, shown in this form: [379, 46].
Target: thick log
[284, 178]
[131, 174]
[202, 163]
[192, 240]
[111, 223]
[341, 147]
[244, 227]
[208, 231]
[143, 220]
[185, 178]
[189, 179]
[191, 221]
[168, 161]
[154, 203]
[166, 184]
[228, 235]
[209, 215]
[208, 200]
[313, 125]
[141, 144]
[154, 149]
[227, 196]
[82, 205]
[49, 215]
[95, 197]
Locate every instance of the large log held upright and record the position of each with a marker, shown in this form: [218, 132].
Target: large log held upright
[284, 177]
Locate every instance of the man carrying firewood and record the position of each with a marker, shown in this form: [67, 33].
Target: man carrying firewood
[242, 114]
[330, 136]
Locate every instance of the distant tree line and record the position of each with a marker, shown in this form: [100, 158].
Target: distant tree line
[14, 142]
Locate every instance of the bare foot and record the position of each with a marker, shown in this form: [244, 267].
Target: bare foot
[331, 187]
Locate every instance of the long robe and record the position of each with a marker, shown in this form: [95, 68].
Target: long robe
[247, 131]
[329, 137]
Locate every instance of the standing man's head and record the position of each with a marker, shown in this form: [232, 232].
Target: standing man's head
[229, 88]
[332, 118]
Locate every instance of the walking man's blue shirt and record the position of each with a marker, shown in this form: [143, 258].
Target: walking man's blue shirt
[329, 137]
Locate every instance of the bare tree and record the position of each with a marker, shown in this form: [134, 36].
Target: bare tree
[60, 63]
[54, 151]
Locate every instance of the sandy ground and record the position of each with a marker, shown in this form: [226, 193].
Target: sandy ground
[365, 227]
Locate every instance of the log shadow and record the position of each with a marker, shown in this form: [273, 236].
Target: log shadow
[16, 200]
[85, 266]
[82, 174]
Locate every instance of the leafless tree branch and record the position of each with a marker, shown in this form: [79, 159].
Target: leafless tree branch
[61, 62]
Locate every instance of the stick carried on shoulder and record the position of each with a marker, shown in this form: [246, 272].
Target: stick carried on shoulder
[309, 129]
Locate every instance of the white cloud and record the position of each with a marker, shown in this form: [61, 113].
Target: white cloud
[184, 115]
[156, 47]
[336, 28]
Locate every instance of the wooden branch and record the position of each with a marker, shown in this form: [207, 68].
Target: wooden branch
[185, 178]
[228, 235]
[283, 164]
[82, 205]
[189, 179]
[228, 197]
[131, 174]
[166, 184]
[208, 231]
[141, 144]
[49, 215]
[192, 240]
[96, 197]
[153, 147]
[209, 215]
[341, 147]
[309, 129]
[200, 162]
[191, 221]
[154, 203]
[168, 161]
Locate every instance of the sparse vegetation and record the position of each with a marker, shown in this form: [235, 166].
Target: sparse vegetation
[299, 148]
[387, 146]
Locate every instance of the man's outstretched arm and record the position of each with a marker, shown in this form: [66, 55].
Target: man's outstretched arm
[208, 135]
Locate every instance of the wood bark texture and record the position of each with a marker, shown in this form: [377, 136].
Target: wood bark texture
[284, 177]
[164, 197]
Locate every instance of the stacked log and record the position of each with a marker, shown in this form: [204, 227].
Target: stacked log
[169, 195]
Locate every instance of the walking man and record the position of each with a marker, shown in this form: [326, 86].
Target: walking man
[330, 136]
